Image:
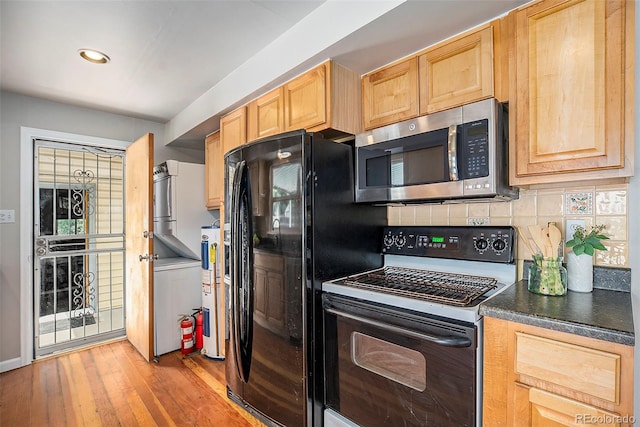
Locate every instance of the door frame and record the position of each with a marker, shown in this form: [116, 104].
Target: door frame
[27, 135]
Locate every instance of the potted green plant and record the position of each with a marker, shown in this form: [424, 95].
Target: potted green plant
[580, 259]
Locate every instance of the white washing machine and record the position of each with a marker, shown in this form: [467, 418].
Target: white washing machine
[176, 293]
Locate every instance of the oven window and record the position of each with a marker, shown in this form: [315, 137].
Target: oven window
[394, 362]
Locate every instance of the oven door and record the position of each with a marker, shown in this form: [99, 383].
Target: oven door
[386, 366]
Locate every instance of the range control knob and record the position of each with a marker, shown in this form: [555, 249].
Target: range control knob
[401, 240]
[481, 244]
[499, 245]
[388, 240]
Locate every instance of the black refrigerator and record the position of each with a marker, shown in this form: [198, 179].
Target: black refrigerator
[291, 223]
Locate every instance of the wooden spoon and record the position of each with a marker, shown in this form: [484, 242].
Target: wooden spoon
[544, 233]
[555, 236]
[527, 240]
[536, 234]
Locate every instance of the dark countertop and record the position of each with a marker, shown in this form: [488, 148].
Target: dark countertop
[602, 314]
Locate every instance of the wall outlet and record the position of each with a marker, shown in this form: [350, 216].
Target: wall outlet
[571, 227]
[7, 215]
[483, 220]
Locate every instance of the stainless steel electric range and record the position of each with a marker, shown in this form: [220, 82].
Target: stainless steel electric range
[403, 343]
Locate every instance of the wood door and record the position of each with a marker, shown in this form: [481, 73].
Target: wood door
[233, 129]
[540, 408]
[139, 274]
[570, 89]
[390, 95]
[457, 72]
[305, 104]
[214, 171]
[266, 115]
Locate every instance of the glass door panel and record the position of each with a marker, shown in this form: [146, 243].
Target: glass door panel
[78, 245]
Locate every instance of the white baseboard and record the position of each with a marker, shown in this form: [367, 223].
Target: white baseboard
[8, 365]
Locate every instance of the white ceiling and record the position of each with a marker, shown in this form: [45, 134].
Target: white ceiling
[184, 63]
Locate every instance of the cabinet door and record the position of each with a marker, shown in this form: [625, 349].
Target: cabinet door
[214, 171]
[260, 284]
[457, 72]
[233, 129]
[305, 104]
[535, 376]
[269, 297]
[266, 115]
[570, 89]
[542, 409]
[275, 295]
[390, 95]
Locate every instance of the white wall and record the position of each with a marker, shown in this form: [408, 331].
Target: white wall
[18, 111]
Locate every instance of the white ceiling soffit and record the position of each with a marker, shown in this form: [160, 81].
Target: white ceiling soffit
[300, 48]
[164, 54]
[184, 63]
[361, 35]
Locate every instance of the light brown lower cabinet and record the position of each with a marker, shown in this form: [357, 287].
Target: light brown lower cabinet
[539, 377]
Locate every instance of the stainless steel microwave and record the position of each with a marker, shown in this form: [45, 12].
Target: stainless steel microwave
[452, 155]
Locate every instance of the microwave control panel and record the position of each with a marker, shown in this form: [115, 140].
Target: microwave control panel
[474, 148]
[480, 243]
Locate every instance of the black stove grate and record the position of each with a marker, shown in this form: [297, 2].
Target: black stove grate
[447, 288]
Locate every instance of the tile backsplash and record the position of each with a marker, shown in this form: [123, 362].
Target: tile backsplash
[599, 204]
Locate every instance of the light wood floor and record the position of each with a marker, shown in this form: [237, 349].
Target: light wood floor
[112, 385]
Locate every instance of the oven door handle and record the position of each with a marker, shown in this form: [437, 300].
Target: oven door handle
[448, 341]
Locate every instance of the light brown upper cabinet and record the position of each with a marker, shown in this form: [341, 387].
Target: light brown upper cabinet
[325, 98]
[266, 115]
[214, 170]
[457, 71]
[466, 68]
[305, 103]
[233, 133]
[390, 95]
[233, 129]
[572, 91]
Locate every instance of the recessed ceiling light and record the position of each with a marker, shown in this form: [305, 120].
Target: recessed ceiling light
[94, 56]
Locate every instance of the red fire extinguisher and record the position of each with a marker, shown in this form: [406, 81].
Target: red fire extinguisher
[186, 329]
[198, 317]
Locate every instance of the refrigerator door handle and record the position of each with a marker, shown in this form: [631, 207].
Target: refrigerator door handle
[242, 280]
[234, 317]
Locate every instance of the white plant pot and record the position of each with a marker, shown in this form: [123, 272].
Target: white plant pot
[579, 272]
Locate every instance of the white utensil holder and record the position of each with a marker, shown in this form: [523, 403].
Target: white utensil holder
[580, 272]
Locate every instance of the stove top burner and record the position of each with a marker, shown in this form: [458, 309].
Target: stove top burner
[447, 288]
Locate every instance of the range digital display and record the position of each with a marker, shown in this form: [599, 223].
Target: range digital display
[437, 239]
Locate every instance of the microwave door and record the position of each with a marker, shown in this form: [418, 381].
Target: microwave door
[401, 168]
